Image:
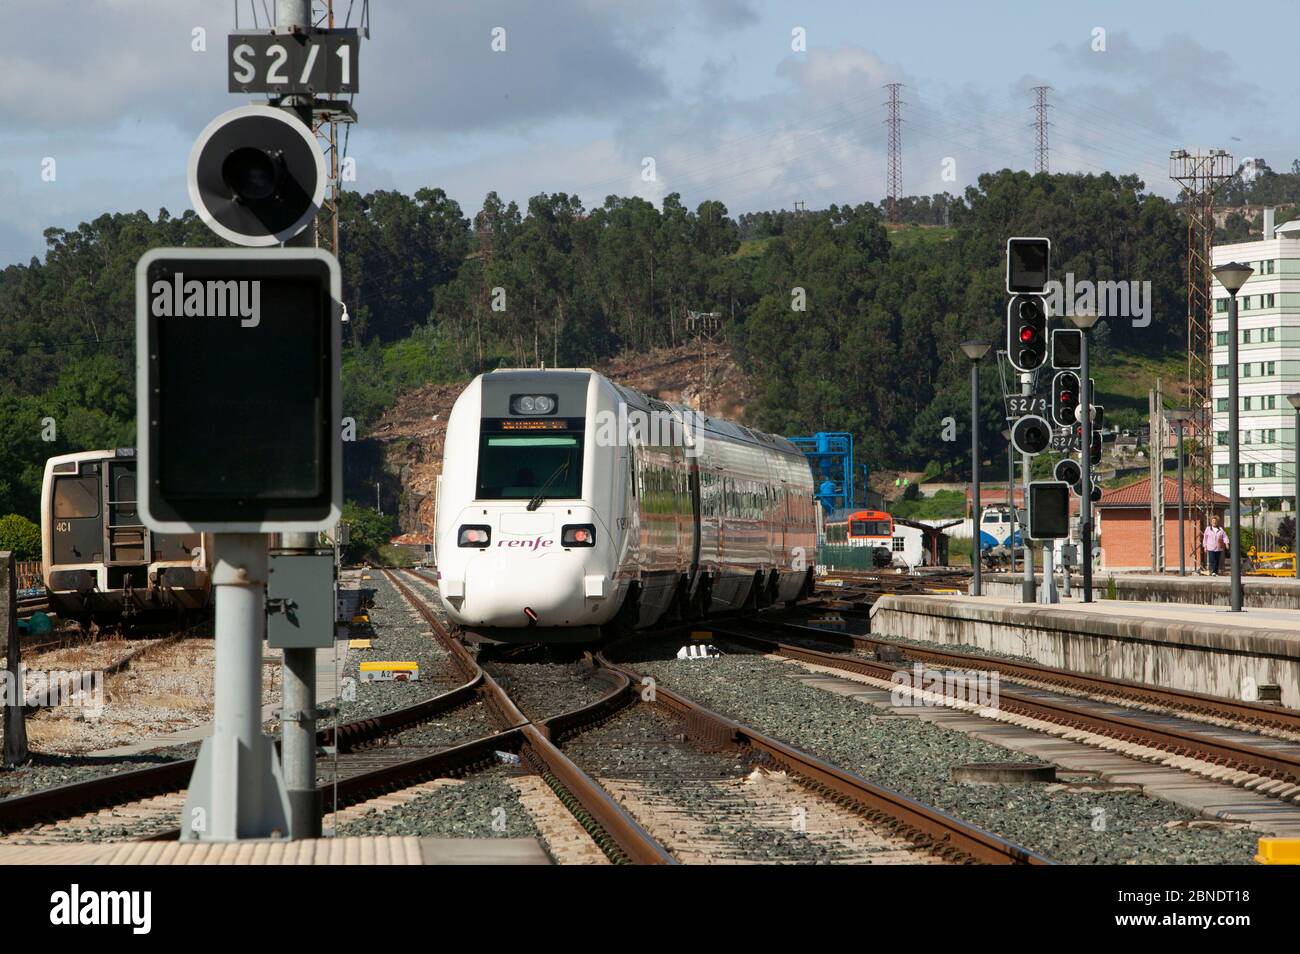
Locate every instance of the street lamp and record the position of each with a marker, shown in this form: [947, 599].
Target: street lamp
[975, 350]
[1295, 511]
[1084, 319]
[1011, 495]
[1232, 276]
[1179, 416]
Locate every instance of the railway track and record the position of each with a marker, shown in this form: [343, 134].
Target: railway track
[928, 827]
[1196, 704]
[921, 825]
[1269, 768]
[369, 768]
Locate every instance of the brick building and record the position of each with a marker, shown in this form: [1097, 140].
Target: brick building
[1124, 521]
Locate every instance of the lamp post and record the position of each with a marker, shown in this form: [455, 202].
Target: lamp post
[1084, 319]
[975, 350]
[1295, 510]
[1232, 276]
[1011, 495]
[1178, 417]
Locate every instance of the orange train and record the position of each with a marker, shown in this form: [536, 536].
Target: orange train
[860, 528]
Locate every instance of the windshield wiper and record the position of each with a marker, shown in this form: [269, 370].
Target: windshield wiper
[541, 493]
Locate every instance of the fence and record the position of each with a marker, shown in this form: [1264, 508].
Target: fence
[846, 558]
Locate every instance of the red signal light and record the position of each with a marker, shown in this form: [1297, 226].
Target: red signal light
[1026, 334]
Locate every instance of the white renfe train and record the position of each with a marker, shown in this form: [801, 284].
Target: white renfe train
[568, 502]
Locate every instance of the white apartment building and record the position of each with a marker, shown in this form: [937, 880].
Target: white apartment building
[1268, 364]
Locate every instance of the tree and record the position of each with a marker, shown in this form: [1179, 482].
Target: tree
[367, 532]
[21, 536]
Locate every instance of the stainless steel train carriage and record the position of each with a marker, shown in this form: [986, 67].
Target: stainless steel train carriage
[567, 502]
[97, 558]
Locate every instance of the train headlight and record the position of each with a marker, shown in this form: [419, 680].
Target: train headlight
[578, 535]
[476, 535]
[532, 404]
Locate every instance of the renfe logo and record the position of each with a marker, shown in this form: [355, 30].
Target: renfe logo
[103, 907]
[208, 299]
[532, 544]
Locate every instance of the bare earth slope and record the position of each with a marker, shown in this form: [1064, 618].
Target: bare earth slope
[413, 430]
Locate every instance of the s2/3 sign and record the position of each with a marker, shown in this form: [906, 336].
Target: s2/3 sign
[323, 61]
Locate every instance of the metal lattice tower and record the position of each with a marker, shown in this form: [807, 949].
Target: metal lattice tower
[894, 122]
[327, 137]
[1200, 175]
[1040, 127]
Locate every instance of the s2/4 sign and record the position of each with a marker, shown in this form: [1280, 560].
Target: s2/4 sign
[323, 61]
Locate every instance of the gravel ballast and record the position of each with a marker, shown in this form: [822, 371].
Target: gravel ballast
[484, 806]
[399, 636]
[914, 757]
[52, 771]
[645, 745]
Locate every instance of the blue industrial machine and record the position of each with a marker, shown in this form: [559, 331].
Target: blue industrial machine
[831, 455]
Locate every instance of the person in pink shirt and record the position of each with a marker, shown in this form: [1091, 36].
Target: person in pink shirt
[1215, 544]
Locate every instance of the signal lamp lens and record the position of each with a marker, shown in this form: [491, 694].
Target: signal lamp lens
[252, 174]
[477, 536]
[578, 535]
[1026, 335]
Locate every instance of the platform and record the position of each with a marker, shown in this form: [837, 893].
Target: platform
[1265, 592]
[380, 850]
[1175, 645]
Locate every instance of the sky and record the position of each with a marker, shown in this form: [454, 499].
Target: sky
[757, 103]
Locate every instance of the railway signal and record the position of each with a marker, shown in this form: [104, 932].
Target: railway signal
[1031, 434]
[256, 176]
[238, 400]
[1067, 349]
[1049, 510]
[1065, 398]
[1068, 472]
[1028, 269]
[1028, 265]
[237, 408]
[1094, 458]
[1027, 332]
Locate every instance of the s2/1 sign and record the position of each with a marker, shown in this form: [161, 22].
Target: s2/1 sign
[322, 61]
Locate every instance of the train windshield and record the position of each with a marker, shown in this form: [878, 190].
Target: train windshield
[870, 528]
[522, 466]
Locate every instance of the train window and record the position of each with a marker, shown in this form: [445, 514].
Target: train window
[76, 497]
[870, 528]
[519, 466]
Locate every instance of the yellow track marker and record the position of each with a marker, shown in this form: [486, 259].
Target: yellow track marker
[390, 672]
[1279, 851]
